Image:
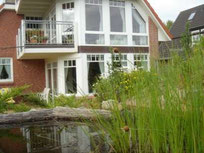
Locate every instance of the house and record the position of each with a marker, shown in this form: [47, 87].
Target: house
[64, 44]
[195, 18]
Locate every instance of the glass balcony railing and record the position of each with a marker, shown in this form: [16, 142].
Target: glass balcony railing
[46, 34]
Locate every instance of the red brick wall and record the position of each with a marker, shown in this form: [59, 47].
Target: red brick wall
[30, 72]
[153, 38]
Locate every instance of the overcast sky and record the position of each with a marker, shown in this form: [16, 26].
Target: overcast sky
[169, 9]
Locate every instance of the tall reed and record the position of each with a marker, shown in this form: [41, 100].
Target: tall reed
[169, 112]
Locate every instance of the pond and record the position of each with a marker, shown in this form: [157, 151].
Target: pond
[51, 137]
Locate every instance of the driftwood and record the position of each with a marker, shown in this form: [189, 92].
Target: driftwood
[59, 113]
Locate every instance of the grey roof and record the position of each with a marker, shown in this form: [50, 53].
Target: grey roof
[197, 22]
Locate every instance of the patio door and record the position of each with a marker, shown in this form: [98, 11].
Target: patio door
[68, 18]
[52, 81]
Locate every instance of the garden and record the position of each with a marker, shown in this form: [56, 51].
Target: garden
[159, 111]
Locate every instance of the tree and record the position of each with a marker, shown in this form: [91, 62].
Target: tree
[169, 24]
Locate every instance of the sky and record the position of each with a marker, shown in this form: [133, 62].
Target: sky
[169, 9]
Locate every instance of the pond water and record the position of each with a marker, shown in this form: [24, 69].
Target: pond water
[55, 137]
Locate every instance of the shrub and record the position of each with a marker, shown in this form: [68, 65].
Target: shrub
[12, 93]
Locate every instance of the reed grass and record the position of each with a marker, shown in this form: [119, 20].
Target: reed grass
[169, 112]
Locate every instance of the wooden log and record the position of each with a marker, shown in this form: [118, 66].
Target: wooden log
[62, 113]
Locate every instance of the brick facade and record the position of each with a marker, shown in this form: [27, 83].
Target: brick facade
[153, 40]
[31, 72]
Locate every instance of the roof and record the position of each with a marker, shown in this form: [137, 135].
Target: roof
[197, 21]
[158, 19]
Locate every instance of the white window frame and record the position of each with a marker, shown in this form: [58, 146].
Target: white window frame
[119, 33]
[142, 54]
[95, 32]
[11, 64]
[72, 66]
[122, 60]
[52, 67]
[139, 34]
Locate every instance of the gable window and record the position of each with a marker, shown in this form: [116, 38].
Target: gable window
[138, 23]
[70, 76]
[94, 22]
[6, 69]
[95, 64]
[117, 16]
[141, 62]
[139, 37]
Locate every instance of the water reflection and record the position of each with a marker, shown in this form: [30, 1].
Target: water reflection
[52, 138]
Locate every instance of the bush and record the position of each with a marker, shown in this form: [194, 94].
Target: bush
[11, 94]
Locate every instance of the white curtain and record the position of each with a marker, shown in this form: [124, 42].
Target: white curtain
[122, 14]
[66, 79]
[88, 65]
[8, 70]
[101, 66]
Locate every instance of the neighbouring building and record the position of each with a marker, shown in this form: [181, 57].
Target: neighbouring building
[64, 44]
[195, 18]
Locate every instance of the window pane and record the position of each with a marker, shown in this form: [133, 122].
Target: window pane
[140, 40]
[95, 39]
[118, 40]
[117, 19]
[139, 25]
[68, 15]
[94, 18]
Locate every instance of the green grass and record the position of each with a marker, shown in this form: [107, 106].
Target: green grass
[169, 112]
[76, 102]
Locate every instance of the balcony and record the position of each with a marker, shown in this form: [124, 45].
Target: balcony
[42, 39]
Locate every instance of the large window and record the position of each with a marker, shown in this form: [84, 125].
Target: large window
[95, 64]
[52, 77]
[117, 16]
[138, 23]
[6, 67]
[140, 36]
[70, 76]
[94, 22]
[94, 16]
[141, 61]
